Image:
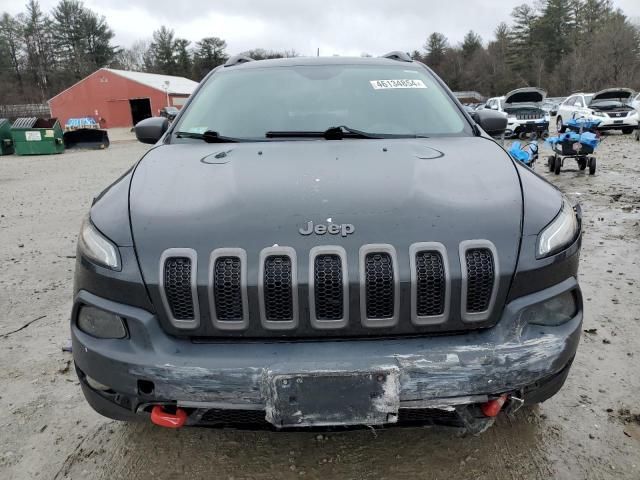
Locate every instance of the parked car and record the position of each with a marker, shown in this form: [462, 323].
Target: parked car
[524, 112]
[635, 102]
[353, 249]
[169, 113]
[550, 107]
[610, 107]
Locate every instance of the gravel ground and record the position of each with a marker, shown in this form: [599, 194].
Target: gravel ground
[591, 429]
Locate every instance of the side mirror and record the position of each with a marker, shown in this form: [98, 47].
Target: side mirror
[150, 130]
[492, 122]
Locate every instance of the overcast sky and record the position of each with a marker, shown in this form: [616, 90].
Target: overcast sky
[347, 27]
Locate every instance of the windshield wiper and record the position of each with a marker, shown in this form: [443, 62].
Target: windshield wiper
[331, 133]
[209, 136]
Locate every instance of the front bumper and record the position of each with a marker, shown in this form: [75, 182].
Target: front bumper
[151, 367]
[612, 123]
[515, 127]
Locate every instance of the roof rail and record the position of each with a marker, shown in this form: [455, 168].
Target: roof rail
[237, 60]
[397, 55]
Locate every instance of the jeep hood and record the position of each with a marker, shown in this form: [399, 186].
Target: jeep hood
[529, 95]
[622, 94]
[256, 195]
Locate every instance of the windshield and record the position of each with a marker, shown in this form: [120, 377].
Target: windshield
[392, 100]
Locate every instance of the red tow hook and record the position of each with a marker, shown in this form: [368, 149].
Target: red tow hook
[169, 420]
[492, 407]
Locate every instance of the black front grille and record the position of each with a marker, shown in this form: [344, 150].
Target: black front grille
[529, 116]
[480, 279]
[430, 284]
[227, 288]
[255, 419]
[379, 285]
[328, 287]
[235, 418]
[278, 288]
[177, 286]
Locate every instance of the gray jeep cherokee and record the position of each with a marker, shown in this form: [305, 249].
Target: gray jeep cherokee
[325, 242]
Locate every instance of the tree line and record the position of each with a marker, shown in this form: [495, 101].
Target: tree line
[559, 45]
[562, 46]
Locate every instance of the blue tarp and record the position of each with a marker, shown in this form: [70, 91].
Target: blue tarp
[523, 154]
[585, 138]
[582, 123]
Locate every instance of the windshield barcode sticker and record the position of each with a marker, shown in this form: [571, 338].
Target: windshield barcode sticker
[405, 83]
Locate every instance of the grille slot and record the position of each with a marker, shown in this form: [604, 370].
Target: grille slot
[178, 287]
[379, 285]
[328, 287]
[430, 284]
[227, 288]
[278, 288]
[529, 116]
[480, 279]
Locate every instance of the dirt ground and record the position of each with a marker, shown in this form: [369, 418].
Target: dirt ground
[589, 430]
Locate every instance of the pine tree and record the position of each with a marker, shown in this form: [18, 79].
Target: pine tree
[471, 44]
[522, 42]
[556, 30]
[37, 38]
[435, 47]
[209, 53]
[11, 46]
[161, 56]
[184, 65]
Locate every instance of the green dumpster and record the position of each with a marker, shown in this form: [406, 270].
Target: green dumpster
[37, 136]
[6, 144]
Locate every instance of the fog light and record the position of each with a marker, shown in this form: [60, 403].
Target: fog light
[96, 385]
[101, 324]
[552, 312]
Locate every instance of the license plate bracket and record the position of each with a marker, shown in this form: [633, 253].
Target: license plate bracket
[332, 398]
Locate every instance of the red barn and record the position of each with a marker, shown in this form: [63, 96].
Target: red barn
[120, 98]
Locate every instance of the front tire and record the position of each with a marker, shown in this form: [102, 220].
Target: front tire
[592, 165]
[560, 126]
[627, 130]
[557, 165]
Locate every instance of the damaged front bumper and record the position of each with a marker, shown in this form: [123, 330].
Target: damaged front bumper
[321, 383]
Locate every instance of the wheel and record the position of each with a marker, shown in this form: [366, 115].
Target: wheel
[557, 165]
[551, 163]
[560, 126]
[545, 135]
[522, 135]
[627, 130]
[592, 165]
[582, 163]
[638, 134]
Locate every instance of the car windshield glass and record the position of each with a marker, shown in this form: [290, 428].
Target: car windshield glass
[394, 100]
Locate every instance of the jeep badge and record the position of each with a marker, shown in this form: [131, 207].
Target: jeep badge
[343, 229]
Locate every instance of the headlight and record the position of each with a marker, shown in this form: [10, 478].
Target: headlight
[547, 118]
[553, 312]
[96, 247]
[100, 324]
[560, 233]
[598, 114]
[512, 117]
[633, 114]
